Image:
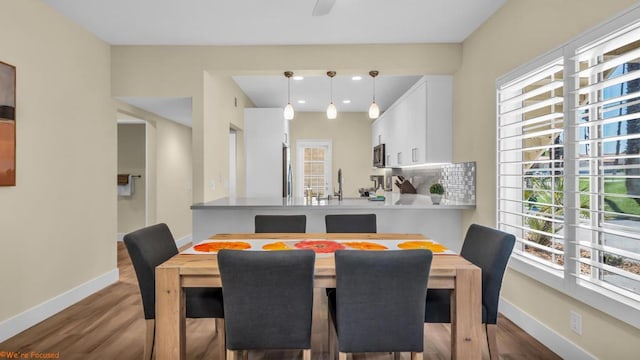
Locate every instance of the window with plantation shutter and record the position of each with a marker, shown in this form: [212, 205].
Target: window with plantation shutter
[531, 164]
[568, 167]
[607, 122]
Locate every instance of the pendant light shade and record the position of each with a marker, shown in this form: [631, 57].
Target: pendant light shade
[289, 113]
[332, 112]
[374, 110]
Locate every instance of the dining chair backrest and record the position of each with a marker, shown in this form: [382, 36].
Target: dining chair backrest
[148, 248]
[351, 223]
[280, 223]
[489, 249]
[268, 298]
[380, 300]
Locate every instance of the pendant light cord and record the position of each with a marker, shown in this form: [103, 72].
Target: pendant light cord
[331, 90]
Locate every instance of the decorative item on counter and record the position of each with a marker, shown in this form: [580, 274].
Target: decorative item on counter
[436, 190]
[379, 194]
[405, 186]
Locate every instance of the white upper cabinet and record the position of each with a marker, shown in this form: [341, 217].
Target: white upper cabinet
[416, 129]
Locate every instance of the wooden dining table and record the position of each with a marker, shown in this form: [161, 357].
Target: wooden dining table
[448, 271]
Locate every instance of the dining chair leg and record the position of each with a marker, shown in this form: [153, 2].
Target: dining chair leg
[342, 356]
[332, 337]
[492, 332]
[232, 355]
[149, 338]
[396, 356]
[306, 354]
[417, 356]
[221, 338]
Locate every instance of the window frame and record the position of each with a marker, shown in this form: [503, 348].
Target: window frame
[626, 311]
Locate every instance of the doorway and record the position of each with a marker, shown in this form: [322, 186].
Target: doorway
[313, 163]
[131, 187]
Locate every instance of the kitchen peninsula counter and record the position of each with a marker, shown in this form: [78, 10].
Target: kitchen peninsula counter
[398, 213]
[391, 201]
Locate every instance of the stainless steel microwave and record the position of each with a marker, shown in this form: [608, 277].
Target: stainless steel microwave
[378, 155]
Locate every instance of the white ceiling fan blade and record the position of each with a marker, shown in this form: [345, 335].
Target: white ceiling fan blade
[322, 7]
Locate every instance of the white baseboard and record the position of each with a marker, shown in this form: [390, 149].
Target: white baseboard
[184, 241]
[16, 324]
[120, 236]
[541, 332]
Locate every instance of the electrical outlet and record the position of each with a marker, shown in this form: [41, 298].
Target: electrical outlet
[575, 322]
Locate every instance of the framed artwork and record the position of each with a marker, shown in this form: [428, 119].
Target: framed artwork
[7, 124]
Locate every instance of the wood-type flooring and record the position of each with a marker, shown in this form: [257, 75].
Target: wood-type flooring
[110, 325]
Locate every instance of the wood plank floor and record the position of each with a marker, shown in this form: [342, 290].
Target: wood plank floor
[110, 325]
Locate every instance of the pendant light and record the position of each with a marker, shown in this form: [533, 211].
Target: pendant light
[288, 110]
[374, 110]
[332, 112]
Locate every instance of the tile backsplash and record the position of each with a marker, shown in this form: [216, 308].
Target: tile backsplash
[458, 180]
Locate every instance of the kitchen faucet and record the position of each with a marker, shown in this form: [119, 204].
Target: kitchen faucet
[340, 184]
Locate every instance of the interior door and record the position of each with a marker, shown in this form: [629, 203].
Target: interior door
[314, 168]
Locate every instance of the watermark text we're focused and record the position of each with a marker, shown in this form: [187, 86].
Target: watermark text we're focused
[29, 355]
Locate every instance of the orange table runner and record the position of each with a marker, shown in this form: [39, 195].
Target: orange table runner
[320, 246]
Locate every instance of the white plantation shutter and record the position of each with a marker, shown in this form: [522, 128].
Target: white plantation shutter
[568, 168]
[607, 123]
[530, 164]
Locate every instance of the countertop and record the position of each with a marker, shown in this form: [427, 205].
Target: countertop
[392, 201]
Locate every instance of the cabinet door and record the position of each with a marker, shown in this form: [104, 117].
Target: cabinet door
[439, 117]
[376, 132]
[390, 132]
[416, 108]
[402, 132]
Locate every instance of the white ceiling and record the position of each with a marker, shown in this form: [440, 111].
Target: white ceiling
[177, 109]
[271, 91]
[270, 22]
[280, 22]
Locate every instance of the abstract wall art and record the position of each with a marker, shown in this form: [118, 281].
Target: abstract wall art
[7, 124]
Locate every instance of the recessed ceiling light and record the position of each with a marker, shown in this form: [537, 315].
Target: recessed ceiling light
[302, 101]
[346, 101]
[356, 78]
[298, 77]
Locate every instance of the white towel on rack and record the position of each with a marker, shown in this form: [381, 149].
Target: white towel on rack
[126, 190]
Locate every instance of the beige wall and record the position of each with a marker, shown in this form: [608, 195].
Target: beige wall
[58, 224]
[131, 160]
[174, 176]
[350, 136]
[169, 170]
[516, 34]
[203, 73]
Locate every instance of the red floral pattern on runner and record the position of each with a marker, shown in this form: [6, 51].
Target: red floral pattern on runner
[320, 246]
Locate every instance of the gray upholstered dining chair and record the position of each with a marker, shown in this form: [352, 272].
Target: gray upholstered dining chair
[378, 305]
[150, 247]
[489, 249]
[351, 223]
[280, 223]
[268, 299]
